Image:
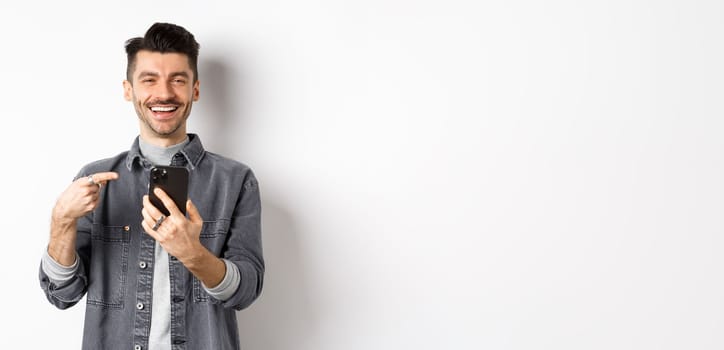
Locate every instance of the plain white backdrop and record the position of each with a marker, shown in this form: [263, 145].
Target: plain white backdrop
[435, 174]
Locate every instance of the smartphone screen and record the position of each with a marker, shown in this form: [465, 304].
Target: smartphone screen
[172, 180]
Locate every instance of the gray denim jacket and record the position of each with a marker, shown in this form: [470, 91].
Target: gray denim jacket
[116, 256]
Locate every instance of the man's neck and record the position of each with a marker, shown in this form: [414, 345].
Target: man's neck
[160, 155]
[163, 141]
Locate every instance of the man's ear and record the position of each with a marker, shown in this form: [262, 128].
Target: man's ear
[127, 90]
[196, 91]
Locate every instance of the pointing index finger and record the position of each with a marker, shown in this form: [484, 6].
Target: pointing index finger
[105, 176]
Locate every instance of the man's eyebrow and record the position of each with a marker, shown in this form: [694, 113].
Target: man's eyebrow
[180, 74]
[155, 74]
[148, 73]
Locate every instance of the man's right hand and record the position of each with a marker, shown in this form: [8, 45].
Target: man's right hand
[80, 198]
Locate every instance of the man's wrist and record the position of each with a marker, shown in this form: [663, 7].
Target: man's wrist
[196, 257]
[60, 218]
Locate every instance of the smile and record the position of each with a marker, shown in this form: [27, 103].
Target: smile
[164, 109]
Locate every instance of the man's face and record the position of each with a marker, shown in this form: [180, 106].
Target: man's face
[162, 91]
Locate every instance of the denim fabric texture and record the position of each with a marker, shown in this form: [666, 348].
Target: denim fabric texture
[116, 256]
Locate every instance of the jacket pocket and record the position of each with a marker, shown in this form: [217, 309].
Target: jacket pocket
[108, 265]
[213, 237]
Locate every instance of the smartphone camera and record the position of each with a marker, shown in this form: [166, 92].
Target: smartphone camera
[158, 174]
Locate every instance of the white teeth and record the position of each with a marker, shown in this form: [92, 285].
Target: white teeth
[163, 109]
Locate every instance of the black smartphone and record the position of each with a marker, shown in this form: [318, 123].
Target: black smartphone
[172, 180]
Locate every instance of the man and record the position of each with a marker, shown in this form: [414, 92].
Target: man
[153, 281]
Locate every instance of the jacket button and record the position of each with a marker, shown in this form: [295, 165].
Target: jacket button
[137, 347]
[139, 306]
[126, 228]
[142, 264]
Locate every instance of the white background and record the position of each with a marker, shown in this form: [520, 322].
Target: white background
[435, 174]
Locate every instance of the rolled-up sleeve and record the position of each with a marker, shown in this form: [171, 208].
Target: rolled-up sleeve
[65, 287]
[244, 246]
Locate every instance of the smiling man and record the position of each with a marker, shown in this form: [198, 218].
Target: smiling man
[155, 281]
[162, 87]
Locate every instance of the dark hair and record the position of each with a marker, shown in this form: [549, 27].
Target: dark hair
[163, 37]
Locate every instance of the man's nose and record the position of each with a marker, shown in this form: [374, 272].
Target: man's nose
[165, 91]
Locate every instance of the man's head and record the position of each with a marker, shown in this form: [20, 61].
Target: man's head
[162, 81]
[164, 38]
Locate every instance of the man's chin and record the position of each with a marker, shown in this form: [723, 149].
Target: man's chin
[163, 130]
[166, 133]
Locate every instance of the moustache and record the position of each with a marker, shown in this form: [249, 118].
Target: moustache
[164, 102]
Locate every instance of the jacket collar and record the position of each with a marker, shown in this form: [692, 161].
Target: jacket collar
[193, 152]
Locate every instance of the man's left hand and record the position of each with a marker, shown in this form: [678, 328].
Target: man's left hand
[178, 235]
